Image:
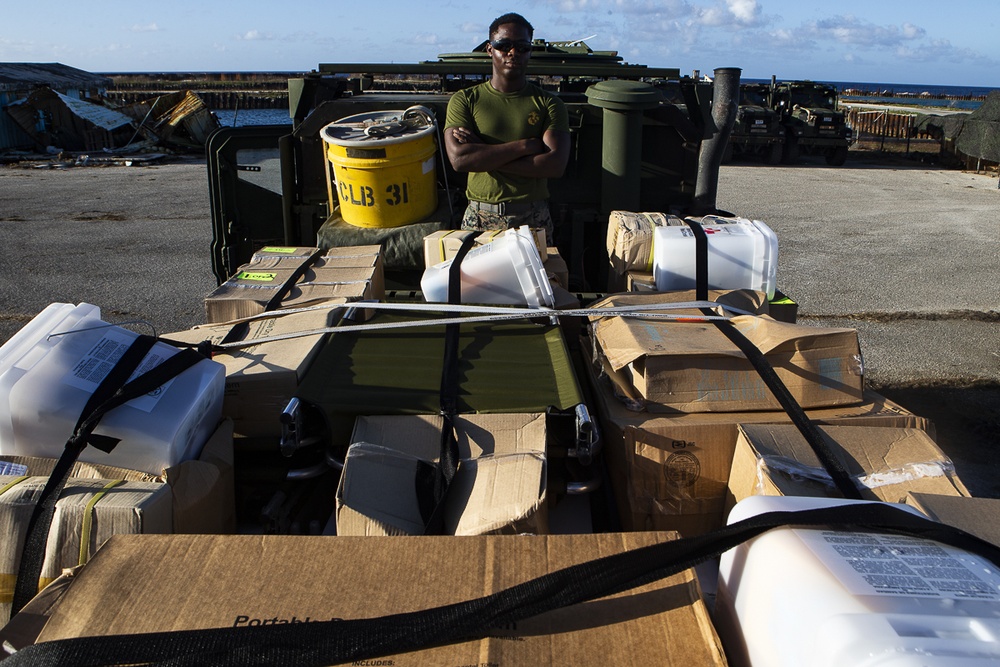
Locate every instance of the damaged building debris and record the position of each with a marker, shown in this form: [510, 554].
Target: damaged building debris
[53, 108]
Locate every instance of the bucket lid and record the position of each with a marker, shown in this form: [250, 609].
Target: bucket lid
[365, 130]
[530, 273]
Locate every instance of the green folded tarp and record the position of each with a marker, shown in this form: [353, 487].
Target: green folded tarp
[504, 367]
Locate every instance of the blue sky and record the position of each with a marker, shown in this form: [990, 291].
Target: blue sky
[918, 42]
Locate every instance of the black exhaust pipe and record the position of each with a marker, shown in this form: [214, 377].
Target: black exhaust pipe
[725, 104]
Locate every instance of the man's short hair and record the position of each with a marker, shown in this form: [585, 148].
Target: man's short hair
[510, 17]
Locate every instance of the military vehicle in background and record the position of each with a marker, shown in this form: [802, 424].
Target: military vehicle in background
[758, 129]
[813, 124]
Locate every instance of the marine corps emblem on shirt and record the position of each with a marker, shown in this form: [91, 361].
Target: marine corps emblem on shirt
[533, 118]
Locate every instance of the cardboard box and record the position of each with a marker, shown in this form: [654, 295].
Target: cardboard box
[630, 243]
[443, 245]
[260, 380]
[248, 292]
[155, 584]
[500, 486]
[355, 256]
[351, 272]
[672, 472]
[366, 256]
[87, 514]
[693, 367]
[886, 463]
[541, 243]
[640, 281]
[202, 489]
[556, 268]
[973, 515]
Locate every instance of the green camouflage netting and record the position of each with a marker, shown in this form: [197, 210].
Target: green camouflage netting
[980, 137]
[975, 134]
[941, 127]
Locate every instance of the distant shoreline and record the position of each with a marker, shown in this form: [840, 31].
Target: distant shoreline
[269, 90]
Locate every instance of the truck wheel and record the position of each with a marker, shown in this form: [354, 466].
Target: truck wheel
[837, 156]
[774, 154]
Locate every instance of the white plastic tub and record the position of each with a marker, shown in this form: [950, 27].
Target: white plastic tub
[742, 254]
[794, 597]
[46, 380]
[506, 271]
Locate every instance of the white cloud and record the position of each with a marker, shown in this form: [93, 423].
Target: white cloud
[911, 31]
[255, 35]
[425, 38]
[848, 29]
[745, 11]
[149, 27]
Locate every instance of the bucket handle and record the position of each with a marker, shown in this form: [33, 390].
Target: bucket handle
[415, 117]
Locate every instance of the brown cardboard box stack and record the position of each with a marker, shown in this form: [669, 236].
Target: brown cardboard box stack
[98, 502]
[141, 584]
[693, 367]
[671, 398]
[262, 378]
[88, 512]
[500, 486]
[201, 489]
[886, 463]
[354, 273]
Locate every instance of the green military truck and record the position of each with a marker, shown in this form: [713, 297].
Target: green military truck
[758, 130]
[813, 124]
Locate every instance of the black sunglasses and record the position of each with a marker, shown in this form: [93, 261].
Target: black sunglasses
[505, 45]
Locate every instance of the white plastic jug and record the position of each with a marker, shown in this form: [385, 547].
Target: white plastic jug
[742, 254]
[51, 367]
[825, 598]
[507, 270]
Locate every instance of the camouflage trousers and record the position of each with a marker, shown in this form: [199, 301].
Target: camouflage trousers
[537, 216]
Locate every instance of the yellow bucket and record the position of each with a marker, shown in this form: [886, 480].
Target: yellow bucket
[383, 167]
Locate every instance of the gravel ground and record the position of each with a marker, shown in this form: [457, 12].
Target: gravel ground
[908, 255]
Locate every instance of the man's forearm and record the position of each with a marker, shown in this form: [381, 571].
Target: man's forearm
[544, 165]
[486, 157]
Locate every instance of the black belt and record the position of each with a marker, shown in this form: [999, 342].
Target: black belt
[508, 207]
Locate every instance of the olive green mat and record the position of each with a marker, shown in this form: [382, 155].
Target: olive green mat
[504, 367]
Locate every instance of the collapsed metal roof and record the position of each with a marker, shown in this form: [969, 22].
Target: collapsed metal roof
[25, 76]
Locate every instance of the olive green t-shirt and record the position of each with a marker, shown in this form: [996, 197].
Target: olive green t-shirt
[501, 117]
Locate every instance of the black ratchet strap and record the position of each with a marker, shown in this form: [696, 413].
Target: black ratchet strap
[114, 390]
[447, 465]
[275, 301]
[351, 641]
[841, 478]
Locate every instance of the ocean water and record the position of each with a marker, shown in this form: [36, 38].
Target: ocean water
[230, 118]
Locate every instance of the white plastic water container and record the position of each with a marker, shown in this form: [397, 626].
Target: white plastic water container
[824, 598]
[507, 270]
[47, 379]
[742, 254]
